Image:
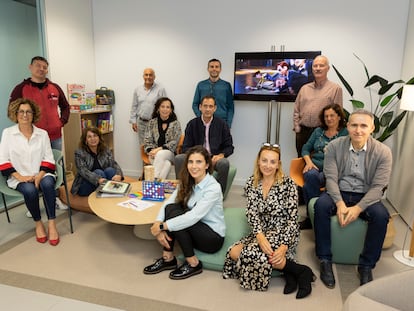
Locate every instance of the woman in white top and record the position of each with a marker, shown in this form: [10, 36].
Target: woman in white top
[26, 158]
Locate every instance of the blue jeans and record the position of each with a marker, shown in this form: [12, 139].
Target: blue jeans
[31, 197]
[314, 180]
[86, 188]
[56, 144]
[376, 215]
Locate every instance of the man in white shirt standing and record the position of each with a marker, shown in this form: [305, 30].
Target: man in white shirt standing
[143, 102]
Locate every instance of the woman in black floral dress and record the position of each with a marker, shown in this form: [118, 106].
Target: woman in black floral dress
[273, 216]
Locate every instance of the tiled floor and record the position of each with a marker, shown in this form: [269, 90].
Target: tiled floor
[23, 299]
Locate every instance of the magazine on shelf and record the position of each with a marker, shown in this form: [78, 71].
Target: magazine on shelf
[114, 188]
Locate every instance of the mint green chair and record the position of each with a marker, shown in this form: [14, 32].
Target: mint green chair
[230, 178]
[236, 228]
[346, 243]
[60, 180]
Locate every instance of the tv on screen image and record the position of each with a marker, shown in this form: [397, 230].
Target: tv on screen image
[265, 76]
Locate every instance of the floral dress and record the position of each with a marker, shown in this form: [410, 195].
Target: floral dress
[277, 217]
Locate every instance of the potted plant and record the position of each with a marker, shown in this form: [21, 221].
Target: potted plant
[384, 106]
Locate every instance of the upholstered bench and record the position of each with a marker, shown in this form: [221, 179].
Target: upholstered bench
[348, 242]
[236, 228]
[80, 203]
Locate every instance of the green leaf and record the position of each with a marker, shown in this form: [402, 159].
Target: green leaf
[386, 118]
[386, 100]
[376, 79]
[377, 124]
[384, 136]
[387, 87]
[365, 67]
[411, 81]
[344, 82]
[388, 131]
[394, 124]
[357, 104]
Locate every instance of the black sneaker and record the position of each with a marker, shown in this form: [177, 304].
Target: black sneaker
[185, 271]
[160, 265]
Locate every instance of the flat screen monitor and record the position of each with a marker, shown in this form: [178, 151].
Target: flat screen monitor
[265, 76]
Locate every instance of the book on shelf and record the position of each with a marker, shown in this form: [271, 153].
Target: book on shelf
[113, 187]
[76, 94]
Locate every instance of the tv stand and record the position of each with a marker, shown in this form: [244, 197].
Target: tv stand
[269, 121]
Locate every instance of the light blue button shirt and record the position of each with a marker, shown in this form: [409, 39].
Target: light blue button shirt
[205, 205]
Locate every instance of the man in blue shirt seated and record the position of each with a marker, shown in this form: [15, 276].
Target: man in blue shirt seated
[219, 89]
[213, 134]
[357, 170]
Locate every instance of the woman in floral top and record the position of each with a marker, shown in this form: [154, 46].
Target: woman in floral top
[273, 216]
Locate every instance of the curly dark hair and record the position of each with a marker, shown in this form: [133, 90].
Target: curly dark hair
[339, 111]
[95, 130]
[14, 107]
[187, 182]
[155, 112]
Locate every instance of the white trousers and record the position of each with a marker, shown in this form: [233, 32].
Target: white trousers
[162, 163]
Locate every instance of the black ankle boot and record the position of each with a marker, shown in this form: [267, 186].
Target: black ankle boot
[304, 277]
[291, 283]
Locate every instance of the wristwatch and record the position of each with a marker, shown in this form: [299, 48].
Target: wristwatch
[162, 226]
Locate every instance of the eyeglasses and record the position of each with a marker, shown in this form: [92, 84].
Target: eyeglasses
[25, 112]
[271, 146]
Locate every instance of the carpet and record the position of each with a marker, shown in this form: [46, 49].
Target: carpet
[102, 263]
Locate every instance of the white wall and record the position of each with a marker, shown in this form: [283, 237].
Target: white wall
[177, 38]
[69, 42]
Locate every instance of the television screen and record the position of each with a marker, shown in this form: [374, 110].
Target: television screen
[265, 76]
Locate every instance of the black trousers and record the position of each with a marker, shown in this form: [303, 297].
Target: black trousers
[199, 235]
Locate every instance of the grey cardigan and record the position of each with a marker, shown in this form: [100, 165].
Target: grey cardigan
[84, 164]
[378, 161]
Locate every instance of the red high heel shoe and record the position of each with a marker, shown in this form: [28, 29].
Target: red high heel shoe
[42, 240]
[54, 242]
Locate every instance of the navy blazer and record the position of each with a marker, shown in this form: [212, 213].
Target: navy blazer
[219, 136]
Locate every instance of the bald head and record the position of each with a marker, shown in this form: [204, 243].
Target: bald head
[320, 68]
[149, 77]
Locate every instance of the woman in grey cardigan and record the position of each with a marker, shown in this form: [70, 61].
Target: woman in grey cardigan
[94, 163]
[161, 137]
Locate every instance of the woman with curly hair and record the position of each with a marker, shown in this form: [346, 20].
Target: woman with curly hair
[26, 158]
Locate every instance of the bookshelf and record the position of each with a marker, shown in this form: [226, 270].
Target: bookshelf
[78, 120]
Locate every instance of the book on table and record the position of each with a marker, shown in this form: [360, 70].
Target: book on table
[112, 188]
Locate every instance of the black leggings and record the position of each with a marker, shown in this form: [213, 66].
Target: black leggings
[199, 235]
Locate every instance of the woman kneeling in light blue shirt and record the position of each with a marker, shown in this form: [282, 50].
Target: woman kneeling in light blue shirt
[192, 215]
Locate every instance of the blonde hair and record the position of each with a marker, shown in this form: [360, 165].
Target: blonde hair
[257, 174]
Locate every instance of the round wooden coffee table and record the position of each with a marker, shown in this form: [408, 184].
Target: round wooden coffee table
[109, 210]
